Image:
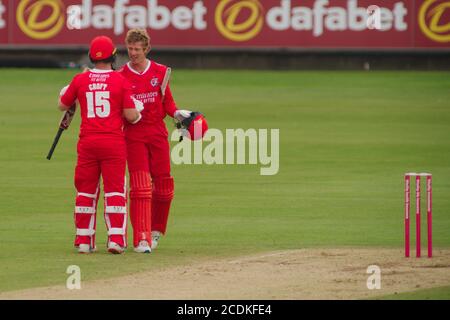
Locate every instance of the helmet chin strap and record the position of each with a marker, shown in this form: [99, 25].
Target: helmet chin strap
[179, 126]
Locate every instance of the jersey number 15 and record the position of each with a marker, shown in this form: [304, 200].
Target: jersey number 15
[98, 104]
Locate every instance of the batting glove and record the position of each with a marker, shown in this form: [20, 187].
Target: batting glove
[138, 105]
[180, 115]
[63, 90]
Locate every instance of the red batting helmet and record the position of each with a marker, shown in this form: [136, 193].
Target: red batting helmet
[101, 48]
[196, 125]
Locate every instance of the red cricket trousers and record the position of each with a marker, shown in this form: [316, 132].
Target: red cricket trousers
[151, 185]
[101, 156]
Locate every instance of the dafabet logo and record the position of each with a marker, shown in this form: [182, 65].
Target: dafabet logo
[230, 23]
[243, 20]
[432, 14]
[234, 20]
[40, 19]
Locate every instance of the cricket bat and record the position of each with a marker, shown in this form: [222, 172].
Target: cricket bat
[64, 124]
[165, 82]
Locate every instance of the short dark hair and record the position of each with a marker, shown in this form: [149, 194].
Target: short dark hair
[110, 59]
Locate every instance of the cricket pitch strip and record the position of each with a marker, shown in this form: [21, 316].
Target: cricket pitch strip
[318, 273]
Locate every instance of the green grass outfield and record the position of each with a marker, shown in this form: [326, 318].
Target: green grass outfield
[346, 139]
[439, 293]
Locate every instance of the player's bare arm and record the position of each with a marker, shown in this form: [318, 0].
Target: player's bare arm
[132, 115]
[61, 105]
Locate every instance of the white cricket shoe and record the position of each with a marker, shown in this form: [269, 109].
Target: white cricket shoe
[85, 248]
[156, 235]
[115, 248]
[143, 247]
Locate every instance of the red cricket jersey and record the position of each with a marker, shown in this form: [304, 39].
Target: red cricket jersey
[146, 87]
[102, 95]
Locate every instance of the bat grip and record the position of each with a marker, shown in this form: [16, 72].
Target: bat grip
[55, 142]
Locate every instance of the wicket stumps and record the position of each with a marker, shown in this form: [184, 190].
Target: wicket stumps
[418, 217]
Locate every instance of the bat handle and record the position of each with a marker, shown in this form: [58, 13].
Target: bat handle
[55, 142]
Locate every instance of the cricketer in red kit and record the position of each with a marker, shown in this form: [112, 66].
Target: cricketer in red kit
[151, 184]
[105, 100]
